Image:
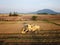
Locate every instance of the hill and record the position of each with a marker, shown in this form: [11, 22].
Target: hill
[49, 11]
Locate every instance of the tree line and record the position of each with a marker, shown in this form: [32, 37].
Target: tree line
[14, 14]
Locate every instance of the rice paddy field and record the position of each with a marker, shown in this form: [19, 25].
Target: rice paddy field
[10, 30]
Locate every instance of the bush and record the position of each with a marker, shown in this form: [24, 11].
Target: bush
[34, 17]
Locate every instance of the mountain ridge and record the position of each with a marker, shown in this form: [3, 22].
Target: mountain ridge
[49, 11]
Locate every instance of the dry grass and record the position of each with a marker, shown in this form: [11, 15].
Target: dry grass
[16, 26]
[10, 30]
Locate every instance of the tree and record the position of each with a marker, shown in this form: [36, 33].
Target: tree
[15, 14]
[34, 17]
[10, 14]
[42, 13]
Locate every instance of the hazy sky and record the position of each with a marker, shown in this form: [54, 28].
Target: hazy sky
[28, 5]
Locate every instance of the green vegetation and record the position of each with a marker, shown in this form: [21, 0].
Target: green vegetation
[34, 18]
[14, 14]
[42, 13]
[10, 14]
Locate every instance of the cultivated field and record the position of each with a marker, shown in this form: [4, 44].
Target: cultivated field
[15, 27]
[10, 29]
[46, 22]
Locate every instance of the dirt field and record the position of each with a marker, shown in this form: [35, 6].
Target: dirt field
[53, 23]
[49, 30]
